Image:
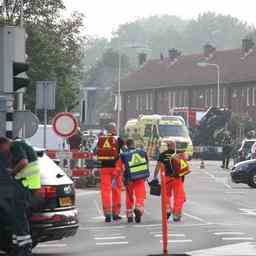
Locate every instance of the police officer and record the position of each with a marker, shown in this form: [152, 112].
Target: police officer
[26, 172]
[175, 168]
[226, 149]
[136, 171]
[6, 205]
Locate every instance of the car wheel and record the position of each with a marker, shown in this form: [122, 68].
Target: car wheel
[252, 182]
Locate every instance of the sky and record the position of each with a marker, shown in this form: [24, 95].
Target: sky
[104, 16]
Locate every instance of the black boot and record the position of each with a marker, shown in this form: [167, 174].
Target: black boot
[116, 217]
[108, 218]
[130, 219]
[138, 215]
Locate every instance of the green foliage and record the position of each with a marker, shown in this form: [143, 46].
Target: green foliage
[53, 47]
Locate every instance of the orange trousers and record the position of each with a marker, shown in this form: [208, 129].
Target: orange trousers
[135, 196]
[111, 188]
[175, 191]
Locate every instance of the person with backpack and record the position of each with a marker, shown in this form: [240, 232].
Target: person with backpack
[175, 169]
[108, 150]
[136, 172]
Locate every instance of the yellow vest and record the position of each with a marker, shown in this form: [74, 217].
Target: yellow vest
[30, 176]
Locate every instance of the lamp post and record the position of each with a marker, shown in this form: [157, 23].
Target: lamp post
[206, 64]
[119, 80]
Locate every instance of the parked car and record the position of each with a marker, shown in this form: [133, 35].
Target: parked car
[244, 152]
[245, 172]
[54, 214]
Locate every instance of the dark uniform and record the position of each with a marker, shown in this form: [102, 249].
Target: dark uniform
[22, 199]
[6, 205]
[227, 149]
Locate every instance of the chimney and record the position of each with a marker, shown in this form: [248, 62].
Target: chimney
[161, 56]
[142, 58]
[174, 54]
[247, 44]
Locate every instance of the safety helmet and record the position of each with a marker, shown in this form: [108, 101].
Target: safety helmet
[111, 128]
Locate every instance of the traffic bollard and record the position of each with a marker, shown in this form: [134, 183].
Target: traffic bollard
[164, 212]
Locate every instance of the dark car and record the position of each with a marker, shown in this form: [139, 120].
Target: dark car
[54, 214]
[245, 172]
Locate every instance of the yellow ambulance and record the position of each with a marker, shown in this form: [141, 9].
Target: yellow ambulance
[152, 132]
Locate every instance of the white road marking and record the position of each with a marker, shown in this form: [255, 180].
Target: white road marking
[245, 249]
[237, 238]
[110, 238]
[248, 211]
[228, 233]
[110, 234]
[195, 217]
[218, 180]
[102, 228]
[51, 245]
[170, 235]
[178, 241]
[85, 193]
[97, 208]
[112, 243]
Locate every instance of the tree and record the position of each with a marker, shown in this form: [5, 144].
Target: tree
[103, 75]
[54, 47]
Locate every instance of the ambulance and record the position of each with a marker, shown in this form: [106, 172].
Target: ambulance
[152, 132]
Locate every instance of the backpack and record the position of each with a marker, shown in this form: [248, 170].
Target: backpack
[107, 152]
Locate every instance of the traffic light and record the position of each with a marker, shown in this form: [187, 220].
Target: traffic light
[20, 78]
[12, 59]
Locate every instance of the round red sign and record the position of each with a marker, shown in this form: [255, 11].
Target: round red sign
[65, 124]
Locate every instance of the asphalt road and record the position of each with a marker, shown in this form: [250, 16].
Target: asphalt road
[219, 219]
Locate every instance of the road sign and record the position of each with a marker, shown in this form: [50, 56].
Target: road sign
[25, 124]
[45, 95]
[65, 124]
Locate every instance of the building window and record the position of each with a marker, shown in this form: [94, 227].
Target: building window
[173, 99]
[170, 100]
[247, 96]
[224, 97]
[253, 96]
[185, 98]
[149, 101]
[116, 102]
[206, 98]
[138, 102]
[211, 97]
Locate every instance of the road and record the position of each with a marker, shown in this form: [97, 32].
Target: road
[219, 219]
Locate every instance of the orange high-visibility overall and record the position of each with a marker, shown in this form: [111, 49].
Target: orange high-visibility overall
[135, 196]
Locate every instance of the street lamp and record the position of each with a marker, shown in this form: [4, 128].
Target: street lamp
[119, 80]
[206, 64]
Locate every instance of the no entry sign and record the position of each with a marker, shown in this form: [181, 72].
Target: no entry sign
[65, 124]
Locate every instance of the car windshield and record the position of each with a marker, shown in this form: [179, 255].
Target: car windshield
[173, 131]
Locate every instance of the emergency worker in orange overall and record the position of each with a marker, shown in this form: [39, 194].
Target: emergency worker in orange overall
[175, 169]
[110, 174]
[135, 162]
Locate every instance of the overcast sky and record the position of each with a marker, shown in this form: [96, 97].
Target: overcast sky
[104, 16]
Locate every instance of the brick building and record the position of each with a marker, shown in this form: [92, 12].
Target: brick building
[177, 81]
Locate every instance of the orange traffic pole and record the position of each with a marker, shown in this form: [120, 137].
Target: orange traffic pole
[164, 211]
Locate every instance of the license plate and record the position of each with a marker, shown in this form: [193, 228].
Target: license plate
[65, 201]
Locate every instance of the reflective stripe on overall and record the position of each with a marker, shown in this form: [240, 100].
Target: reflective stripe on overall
[30, 176]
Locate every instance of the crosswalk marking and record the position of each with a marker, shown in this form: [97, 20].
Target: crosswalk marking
[236, 238]
[110, 238]
[245, 249]
[228, 233]
[112, 243]
[170, 235]
[48, 245]
[178, 241]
